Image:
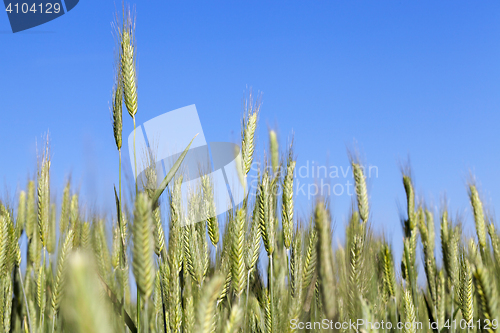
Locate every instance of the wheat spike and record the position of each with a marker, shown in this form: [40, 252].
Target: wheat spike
[325, 267]
[477, 206]
[249, 126]
[410, 199]
[60, 274]
[101, 251]
[188, 321]
[51, 236]
[7, 290]
[253, 240]
[268, 313]
[85, 236]
[43, 195]
[40, 288]
[159, 234]
[273, 142]
[209, 206]
[486, 292]
[389, 278]
[235, 320]
[466, 300]
[356, 285]
[409, 309]
[296, 264]
[21, 214]
[34, 249]
[4, 242]
[143, 246]
[128, 64]
[116, 109]
[237, 260]
[65, 209]
[11, 258]
[187, 242]
[75, 220]
[116, 247]
[174, 293]
[287, 202]
[30, 210]
[495, 242]
[426, 225]
[206, 308]
[83, 308]
[265, 212]
[361, 191]
[175, 231]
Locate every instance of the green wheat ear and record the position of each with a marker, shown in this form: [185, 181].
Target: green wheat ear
[143, 246]
[206, 308]
[310, 261]
[30, 210]
[237, 247]
[466, 298]
[21, 214]
[253, 240]
[7, 290]
[209, 206]
[4, 242]
[296, 276]
[43, 196]
[60, 274]
[495, 242]
[486, 292]
[389, 278]
[477, 207]
[265, 211]
[116, 108]
[128, 64]
[287, 201]
[249, 125]
[235, 320]
[83, 309]
[51, 236]
[65, 209]
[410, 199]
[361, 191]
[273, 141]
[325, 258]
[409, 310]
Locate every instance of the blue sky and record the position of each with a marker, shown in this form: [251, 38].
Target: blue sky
[417, 79]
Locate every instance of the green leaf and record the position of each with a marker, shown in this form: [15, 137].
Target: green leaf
[119, 216]
[170, 174]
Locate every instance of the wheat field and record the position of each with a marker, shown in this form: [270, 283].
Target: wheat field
[257, 268]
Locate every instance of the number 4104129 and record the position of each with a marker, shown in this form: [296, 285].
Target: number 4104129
[42, 8]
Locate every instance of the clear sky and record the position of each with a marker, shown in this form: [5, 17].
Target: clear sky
[416, 79]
